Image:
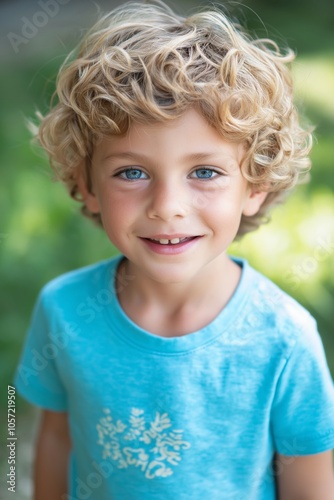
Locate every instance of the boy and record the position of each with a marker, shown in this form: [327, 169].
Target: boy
[175, 371]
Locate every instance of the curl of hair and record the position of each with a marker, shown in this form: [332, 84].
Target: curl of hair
[144, 63]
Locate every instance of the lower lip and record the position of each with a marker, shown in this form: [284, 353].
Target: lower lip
[171, 249]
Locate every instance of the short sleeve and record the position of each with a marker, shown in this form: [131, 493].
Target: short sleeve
[37, 377]
[303, 407]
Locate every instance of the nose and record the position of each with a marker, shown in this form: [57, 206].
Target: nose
[167, 200]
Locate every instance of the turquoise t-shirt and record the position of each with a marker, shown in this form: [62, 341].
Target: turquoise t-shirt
[196, 416]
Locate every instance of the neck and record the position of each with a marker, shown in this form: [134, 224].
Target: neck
[192, 304]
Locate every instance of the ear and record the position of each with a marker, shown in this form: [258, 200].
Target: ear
[254, 201]
[88, 197]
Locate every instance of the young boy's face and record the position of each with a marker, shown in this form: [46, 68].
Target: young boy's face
[171, 196]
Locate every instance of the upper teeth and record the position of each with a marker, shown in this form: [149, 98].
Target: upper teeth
[174, 241]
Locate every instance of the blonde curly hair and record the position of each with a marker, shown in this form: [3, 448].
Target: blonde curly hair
[144, 63]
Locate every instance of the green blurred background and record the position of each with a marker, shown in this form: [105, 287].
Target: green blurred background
[42, 233]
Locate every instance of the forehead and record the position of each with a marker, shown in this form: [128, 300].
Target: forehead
[189, 135]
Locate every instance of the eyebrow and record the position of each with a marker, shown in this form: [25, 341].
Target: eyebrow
[135, 156]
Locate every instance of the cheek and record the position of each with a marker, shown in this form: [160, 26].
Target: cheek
[222, 206]
[117, 211]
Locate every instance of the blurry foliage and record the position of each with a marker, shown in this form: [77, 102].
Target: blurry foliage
[43, 235]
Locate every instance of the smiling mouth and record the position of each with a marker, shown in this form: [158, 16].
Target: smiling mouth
[173, 241]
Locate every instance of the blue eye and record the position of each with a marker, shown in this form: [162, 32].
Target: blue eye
[132, 174]
[204, 173]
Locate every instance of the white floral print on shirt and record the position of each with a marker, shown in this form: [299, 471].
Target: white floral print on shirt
[151, 449]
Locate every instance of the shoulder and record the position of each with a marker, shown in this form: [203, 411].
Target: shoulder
[80, 282]
[285, 320]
